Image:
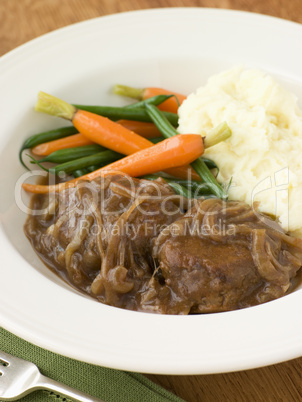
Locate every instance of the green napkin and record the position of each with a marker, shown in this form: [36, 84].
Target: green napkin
[105, 383]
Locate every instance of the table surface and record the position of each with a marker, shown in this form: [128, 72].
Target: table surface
[23, 20]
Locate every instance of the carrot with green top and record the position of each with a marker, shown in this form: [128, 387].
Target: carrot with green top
[94, 127]
[169, 105]
[172, 152]
[144, 129]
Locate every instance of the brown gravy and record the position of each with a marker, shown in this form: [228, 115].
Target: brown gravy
[134, 244]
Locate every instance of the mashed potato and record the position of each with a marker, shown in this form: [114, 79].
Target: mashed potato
[264, 154]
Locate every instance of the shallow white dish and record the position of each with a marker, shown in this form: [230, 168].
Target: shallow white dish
[172, 48]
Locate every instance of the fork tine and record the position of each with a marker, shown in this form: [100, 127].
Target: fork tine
[18, 377]
[4, 363]
[4, 356]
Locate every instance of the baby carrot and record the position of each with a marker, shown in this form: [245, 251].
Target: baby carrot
[145, 129]
[172, 152]
[94, 127]
[46, 136]
[164, 155]
[169, 105]
[75, 140]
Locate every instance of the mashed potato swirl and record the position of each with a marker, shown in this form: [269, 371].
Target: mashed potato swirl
[264, 154]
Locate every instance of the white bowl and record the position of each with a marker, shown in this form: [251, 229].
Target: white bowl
[176, 48]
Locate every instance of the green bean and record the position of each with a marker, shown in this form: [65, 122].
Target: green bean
[46, 136]
[69, 154]
[94, 167]
[89, 169]
[181, 190]
[156, 140]
[207, 176]
[80, 172]
[195, 187]
[161, 122]
[210, 163]
[174, 183]
[100, 158]
[177, 185]
[199, 188]
[117, 113]
[199, 165]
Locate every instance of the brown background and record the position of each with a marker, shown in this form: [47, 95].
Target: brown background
[22, 20]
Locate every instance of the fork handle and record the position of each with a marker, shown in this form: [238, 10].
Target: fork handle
[62, 389]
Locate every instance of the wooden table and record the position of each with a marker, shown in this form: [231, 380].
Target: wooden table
[22, 20]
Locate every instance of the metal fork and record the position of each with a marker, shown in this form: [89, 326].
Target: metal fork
[19, 377]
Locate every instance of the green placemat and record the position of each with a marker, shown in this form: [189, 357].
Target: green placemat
[105, 383]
